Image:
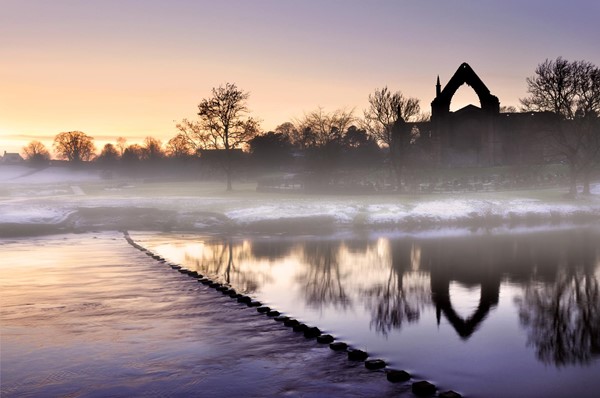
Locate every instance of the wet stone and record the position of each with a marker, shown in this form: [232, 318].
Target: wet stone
[233, 294]
[449, 394]
[374, 364]
[311, 333]
[273, 313]
[244, 299]
[357, 355]
[338, 346]
[423, 388]
[254, 303]
[300, 327]
[262, 310]
[281, 318]
[291, 322]
[205, 281]
[397, 376]
[325, 339]
[222, 288]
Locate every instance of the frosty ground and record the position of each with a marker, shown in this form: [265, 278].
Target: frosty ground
[58, 199]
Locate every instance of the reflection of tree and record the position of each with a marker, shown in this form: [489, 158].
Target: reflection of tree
[221, 259]
[563, 318]
[403, 295]
[323, 280]
[271, 249]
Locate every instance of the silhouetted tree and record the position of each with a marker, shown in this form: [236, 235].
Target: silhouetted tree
[571, 90]
[508, 109]
[222, 125]
[384, 110]
[289, 130]
[109, 155]
[36, 153]
[152, 150]
[360, 149]
[179, 147]
[271, 149]
[132, 154]
[121, 144]
[387, 115]
[319, 128]
[75, 146]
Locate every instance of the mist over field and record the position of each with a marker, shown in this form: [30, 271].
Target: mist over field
[61, 199]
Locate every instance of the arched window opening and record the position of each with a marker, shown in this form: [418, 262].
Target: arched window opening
[465, 95]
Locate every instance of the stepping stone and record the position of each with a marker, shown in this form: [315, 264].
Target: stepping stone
[281, 318]
[300, 327]
[374, 364]
[311, 333]
[397, 376]
[357, 355]
[263, 310]
[222, 288]
[325, 339]
[338, 346]
[423, 388]
[273, 313]
[291, 323]
[244, 299]
[254, 303]
[214, 285]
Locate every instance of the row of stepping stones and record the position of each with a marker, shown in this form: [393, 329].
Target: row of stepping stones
[419, 388]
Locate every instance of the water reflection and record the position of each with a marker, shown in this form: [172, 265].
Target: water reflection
[561, 311]
[553, 280]
[222, 258]
[322, 279]
[403, 294]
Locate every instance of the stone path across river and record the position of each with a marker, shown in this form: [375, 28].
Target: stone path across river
[88, 316]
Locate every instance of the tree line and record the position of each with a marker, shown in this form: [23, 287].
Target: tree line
[385, 135]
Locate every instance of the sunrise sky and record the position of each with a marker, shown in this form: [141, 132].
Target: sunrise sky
[135, 68]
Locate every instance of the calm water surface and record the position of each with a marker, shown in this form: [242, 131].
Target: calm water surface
[491, 315]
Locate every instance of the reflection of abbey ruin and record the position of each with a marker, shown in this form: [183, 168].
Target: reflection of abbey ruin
[482, 136]
[557, 273]
[560, 304]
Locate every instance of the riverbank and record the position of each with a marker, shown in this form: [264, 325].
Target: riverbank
[62, 200]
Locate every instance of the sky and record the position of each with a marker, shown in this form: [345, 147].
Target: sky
[134, 68]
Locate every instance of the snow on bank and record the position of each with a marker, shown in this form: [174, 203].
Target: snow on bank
[299, 214]
[33, 214]
[156, 207]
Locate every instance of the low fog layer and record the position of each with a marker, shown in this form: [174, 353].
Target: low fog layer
[61, 199]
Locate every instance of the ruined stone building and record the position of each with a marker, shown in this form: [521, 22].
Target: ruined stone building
[482, 135]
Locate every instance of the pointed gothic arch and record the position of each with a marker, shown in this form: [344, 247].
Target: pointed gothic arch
[440, 106]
